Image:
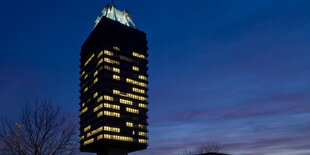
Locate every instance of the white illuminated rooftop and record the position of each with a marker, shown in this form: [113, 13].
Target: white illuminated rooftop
[117, 15]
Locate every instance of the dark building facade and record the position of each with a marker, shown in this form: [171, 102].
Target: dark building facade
[113, 88]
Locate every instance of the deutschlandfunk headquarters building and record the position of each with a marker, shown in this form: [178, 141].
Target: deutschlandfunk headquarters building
[113, 86]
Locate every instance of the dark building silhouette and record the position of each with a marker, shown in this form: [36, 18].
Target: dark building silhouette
[113, 94]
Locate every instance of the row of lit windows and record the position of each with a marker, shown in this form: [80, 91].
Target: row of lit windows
[89, 141]
[125, 101]
[132, 110]
[112, 129]
[82, 73]
[117, 92]
[85, 89]
[84, 110]
[87, 128]
[89, 59]
[138, 55]
[85, 76]
[108, 52]
[82, 137]
[107, 105]
[111, 106]
[108, 60]
[138, 90]
[141, 77]
[94, 131]
[142, 133]
[125, 58]
[116, 48]
[135, 68]
[141, 105]
[128, 80]
[116, 137]
[106, 97]
[108, 113]
[100, 54]
[96, 80]
[116, 77]
[130, 124]
[142, 140]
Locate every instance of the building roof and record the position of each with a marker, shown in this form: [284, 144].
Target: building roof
[113, 13]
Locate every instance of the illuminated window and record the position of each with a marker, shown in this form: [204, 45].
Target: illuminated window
[100, 114]
[129, 124]
[95, 131]
[125, 58]
[108, 60]
[109, 98]
[111, 129]
[128, 80]
[109, 113]
[82, 73]
[141, 77]
[116, 48]
[95, 94]
[116, 137]
[117, 70]
[82, 137]
[85, 76]
[89, 141]
[132, 110]
[99, 137]
[100, 54]
[117, 92]
[100, 99]
[87, 128]
[142, 126]
[84, 110]
[138, 55]
[142, 140]
[116, 77]
[138, 90]
[108, 52]
[142, 133]
[100, 61]
[111, 106]
[141, 105]
[96, 80]
[89, 59]
[96, 73]
[125, 101]
[98, 107]
[107, 68]
[83, 104]
[135, 68]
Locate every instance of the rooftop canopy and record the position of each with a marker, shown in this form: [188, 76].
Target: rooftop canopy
[120, 16]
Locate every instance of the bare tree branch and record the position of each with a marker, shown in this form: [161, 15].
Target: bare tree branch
[42, 129]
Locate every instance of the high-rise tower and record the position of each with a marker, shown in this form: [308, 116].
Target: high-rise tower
[113, 94]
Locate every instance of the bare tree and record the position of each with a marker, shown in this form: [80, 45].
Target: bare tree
[210, 147]
[43, 129]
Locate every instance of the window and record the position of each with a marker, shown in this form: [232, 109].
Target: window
[142, 126]
[108, 113]
[100, 54]
[138, 55]
[111, 129]
[108, 98]
[95, 94]
[116, 48]
[85, 76]
[129, 124]
[142, 133]
[89, 59]
[100, 99]
[128, 80]
[142, 140]
[96, 80]
[137, 97]
[87, 128]
[96, 73]
[106, 52]
[123, 101]
[98, 107]
[135, 68]
[116, 77]
[117, 70]
[132, 110]
[116, 137]
[108, 60]
[141, 105]
[141, 77]
[111, 106]
[89, 141]
[94, 131]
[84, 110]
[138, 90]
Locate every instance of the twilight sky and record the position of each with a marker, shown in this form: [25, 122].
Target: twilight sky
[236, 72]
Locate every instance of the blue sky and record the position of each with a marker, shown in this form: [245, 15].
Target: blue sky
[235, 72]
